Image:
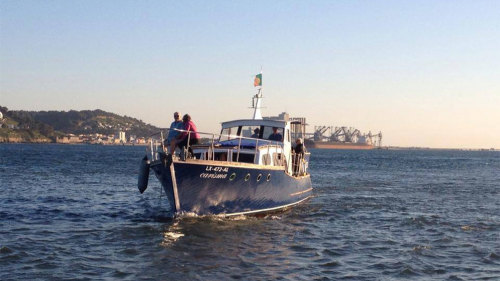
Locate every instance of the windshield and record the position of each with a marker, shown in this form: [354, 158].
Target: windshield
[228, 134]
[273, 133]
[256, 132]
[250, 132]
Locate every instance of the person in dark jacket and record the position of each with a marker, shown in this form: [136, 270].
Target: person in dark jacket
[256, 133]
[298, 156]
[275, 136]
[299, 147]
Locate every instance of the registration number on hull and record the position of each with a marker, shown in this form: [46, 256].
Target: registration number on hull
[215, 172]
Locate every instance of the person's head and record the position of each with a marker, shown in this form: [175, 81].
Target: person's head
[256, 131]
[186, 118]
[298, 141]
[177, 116]
[275, 130]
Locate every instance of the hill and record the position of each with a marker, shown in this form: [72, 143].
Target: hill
[46, 126]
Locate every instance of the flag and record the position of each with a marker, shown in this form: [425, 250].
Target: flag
[258, 80]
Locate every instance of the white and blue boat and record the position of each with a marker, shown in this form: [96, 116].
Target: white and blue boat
[236, 172]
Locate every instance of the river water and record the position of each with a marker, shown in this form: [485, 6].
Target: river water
[73, 212]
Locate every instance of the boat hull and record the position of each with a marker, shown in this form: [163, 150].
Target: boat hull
[214, 188]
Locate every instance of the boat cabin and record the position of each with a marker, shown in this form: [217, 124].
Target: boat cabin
[254, 141]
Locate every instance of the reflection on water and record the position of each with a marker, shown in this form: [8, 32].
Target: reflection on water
[172, 234]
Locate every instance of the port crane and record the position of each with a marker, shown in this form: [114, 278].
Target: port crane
[375, 138]
[319, 132]
[345, 134]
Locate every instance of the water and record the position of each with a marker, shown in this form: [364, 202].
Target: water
[74, 212]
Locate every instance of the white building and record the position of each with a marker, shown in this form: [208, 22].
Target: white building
[122, 137]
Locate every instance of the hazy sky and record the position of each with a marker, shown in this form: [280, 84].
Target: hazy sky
[425, 73]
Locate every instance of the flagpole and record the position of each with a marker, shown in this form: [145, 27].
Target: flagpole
[256, 114]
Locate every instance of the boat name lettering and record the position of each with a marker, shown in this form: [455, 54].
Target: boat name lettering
[217, 169]
[213, 176]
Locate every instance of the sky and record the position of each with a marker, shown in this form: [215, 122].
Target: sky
[424, 73]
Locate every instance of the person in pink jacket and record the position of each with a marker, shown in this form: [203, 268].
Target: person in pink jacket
[181, 140]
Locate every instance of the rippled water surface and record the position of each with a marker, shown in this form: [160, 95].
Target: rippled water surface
[74, 212]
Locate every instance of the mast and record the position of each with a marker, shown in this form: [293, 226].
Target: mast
[257, 99]
[256, 102]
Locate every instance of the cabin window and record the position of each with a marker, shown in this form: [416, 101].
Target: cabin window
[228, 134]
[243, 158]
[268, 133]
[251, 132]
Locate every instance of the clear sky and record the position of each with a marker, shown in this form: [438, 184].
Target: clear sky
[425, 73]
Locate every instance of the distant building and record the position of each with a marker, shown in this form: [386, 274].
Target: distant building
[298, 124]
[120, 137]
[123, 138]
[69, 139]
[283, 116]
[132, 138]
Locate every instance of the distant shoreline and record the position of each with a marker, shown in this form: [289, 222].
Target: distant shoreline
[433, 148]
[381, 148]
[81, 143]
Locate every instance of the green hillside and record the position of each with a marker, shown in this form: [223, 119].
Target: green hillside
[38, 125]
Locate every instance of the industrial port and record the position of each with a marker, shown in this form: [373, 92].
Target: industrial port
[331, 137]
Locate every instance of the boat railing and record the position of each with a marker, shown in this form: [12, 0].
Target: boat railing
[213, 141]
[300, 162]
[155, 146]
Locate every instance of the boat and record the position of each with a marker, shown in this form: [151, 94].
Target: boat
[233, 173]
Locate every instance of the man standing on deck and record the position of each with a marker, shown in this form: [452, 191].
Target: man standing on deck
[172, 133]
[298, 156]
